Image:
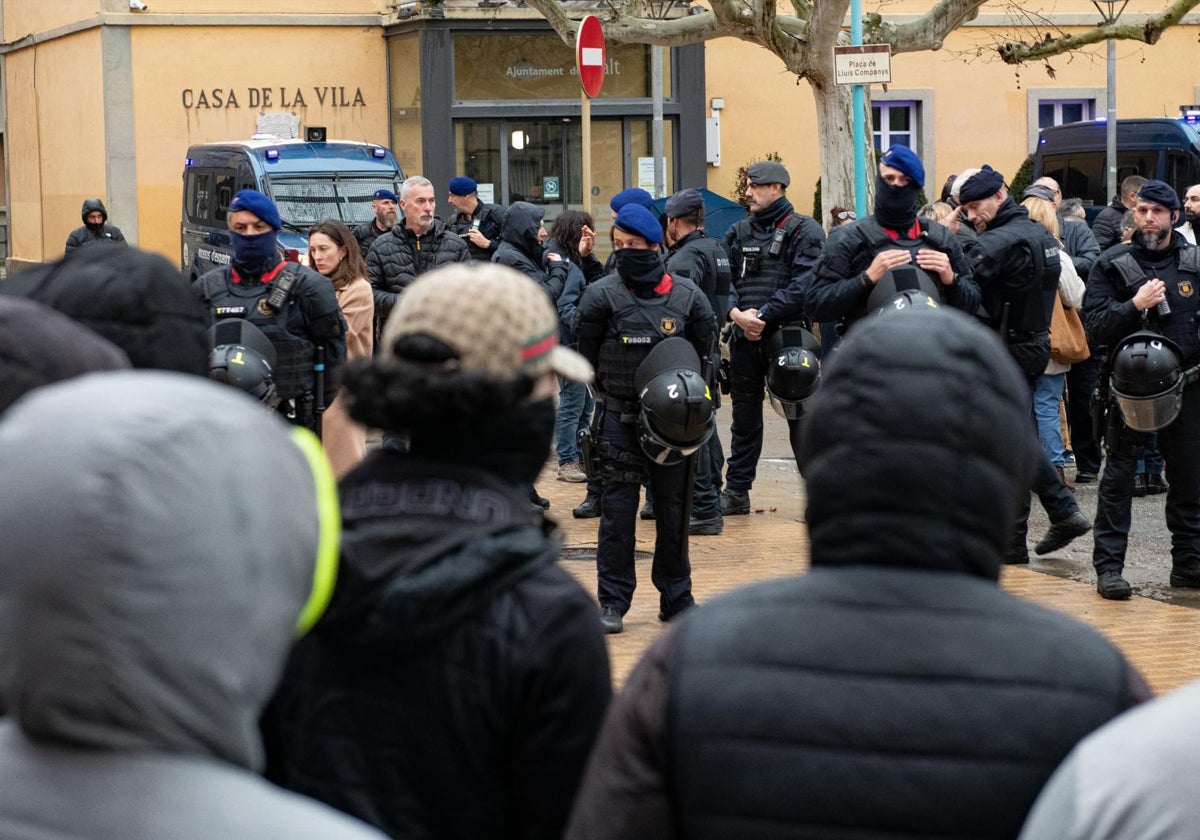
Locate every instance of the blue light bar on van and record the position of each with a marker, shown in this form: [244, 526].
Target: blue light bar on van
[378, 152]
[272, 154]
[189, 162]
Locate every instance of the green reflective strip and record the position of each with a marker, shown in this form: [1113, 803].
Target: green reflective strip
[329, 520]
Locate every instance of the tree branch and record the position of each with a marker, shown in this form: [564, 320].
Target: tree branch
[1018, 52]
[928, 31]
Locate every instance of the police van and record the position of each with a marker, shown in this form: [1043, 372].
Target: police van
[1075, 155]
[309, 181]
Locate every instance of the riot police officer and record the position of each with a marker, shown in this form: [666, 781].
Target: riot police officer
[1016, 265]
[695, 255]
[621, 319]
[293, 306]
[1149, 283]
[772, 255]
[869, 261]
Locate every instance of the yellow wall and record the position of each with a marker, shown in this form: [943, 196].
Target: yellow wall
[300, 59]
[24, 17]
[56, 154]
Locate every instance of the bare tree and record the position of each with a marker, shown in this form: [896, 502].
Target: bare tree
[803, 33]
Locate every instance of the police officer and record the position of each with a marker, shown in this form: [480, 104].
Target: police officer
[890, 251]
[772, 255]
[294, 306]
[1016, 265]
[383, 205]
[478, 224]
[700, 258]
[1149, 283]
[621, 318]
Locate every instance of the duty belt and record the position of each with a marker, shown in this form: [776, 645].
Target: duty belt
[627, 409]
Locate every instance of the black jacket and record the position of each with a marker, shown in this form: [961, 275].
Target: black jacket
[521, 250]
[399, 256]
[1080, 244]
[1107, 226]
[800, 252]
[90, 234]
[705, 262]
[366, 234]
[457, 681]
[490, 218]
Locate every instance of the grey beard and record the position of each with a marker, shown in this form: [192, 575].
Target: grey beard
[1151, 241]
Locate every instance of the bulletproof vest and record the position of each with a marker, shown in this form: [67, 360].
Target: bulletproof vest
[1183, 295]
[637, 325]
[766, 260]
[1025, 287]
[698, 249]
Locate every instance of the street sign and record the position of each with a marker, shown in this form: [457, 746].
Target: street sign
[589, 55]
[862, 65]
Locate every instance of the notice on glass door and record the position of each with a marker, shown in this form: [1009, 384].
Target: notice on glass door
[487, 193]
[646, 174]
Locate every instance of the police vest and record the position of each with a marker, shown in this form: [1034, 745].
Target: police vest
[696, 254]
[1182, 283]
[763, 272]
[1027, 294]
[636, 325]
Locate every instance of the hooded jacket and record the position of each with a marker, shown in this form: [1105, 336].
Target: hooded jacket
[457, 682]
[520, 249]
[90, 234]
[895, 690]
[150, 587]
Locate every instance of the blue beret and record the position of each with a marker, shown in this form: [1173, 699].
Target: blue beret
[983, 184]
[384, 195]
[462, 185]
[633, 195]
[252, 201]
[1159, 192]
[906, 160]
[639, 221]
[684, 203]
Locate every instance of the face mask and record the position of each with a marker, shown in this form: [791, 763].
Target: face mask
[254, 254]
[639, 267]
[513, 446]
[895, 207]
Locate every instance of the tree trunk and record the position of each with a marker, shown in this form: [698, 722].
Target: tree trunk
[835, 133]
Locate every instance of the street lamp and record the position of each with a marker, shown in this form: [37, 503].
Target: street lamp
[1109, 12]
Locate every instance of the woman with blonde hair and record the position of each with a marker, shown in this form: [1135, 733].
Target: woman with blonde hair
[333, 251]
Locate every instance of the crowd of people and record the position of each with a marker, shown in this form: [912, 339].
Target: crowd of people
[422, 667]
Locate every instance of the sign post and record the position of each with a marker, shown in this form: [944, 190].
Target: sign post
[858, 65]
[589, 61]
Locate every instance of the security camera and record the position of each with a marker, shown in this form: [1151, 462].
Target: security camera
[138, 6]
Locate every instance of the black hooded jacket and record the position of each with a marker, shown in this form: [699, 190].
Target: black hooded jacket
[520, 249]
[90, 234]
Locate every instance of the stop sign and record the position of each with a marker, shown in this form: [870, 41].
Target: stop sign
[589, 55]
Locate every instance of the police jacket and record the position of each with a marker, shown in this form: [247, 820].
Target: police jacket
[87, 235]
[457, 681]
[366, 234]
[705, 262]
[399, 256]
[773, 283]
[840, 289]
[521, 250]
[491, 220]
[310, 317]
[1079, 243]
[1108, 311]
[619, 324]
[1106, 227]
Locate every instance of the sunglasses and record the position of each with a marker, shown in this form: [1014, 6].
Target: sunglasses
[845, 215]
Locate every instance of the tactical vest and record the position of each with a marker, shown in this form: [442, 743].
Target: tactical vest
[637, 324]
[764, 273]
[1028, 295]
[695, 249]
[1183, 296]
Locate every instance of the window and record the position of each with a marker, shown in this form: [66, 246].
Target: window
[224, 196]
[199, 188]
[1062, 111]
[894, 123]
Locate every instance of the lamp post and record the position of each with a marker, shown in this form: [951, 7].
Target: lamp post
[1109, 13]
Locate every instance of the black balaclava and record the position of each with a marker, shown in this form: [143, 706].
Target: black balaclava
[254, 255]
[896, 207]
[640, 268]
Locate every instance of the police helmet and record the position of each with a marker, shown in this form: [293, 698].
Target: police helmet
[676, 415]
[246, 369]
[914, 299]
[1148, 380]
[793, 370]
[240, 331]
[900, 279]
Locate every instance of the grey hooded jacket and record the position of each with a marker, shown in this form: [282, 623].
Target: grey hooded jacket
[154, 565]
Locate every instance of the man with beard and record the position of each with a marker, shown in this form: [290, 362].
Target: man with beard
[1191, 214]
[95, 227]
[771, 255]
[859, 255]
[479, 224]
[294, 306]
[621, 319]
[383, 204]
[1124, 295]
[1016, 265]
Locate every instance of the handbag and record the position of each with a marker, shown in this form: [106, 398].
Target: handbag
[1068, 341]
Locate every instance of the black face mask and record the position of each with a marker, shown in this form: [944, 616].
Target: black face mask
[513, 446]
[639, 268]
[895, 207]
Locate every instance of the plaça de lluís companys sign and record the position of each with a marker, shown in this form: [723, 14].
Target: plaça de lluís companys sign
[195, 99]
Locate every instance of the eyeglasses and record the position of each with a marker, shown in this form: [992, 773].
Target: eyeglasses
[846, 215]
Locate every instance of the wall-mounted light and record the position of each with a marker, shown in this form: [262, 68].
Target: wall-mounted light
[519, 140]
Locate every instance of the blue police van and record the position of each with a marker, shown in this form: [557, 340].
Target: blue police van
[1076, 154]
[309, 181]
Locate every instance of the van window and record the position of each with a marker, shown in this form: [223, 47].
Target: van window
[1079, 174]
[225, 193]
[1182, 171]
[303, 202]
[198, 193]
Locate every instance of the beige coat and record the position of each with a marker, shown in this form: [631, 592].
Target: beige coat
[346, 441]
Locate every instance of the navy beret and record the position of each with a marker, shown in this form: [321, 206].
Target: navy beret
[462, 185]
[906, 160]
[983, 184]
[639, 221]
[767, 172]
[633, 195]
[684, 203]
[384, 195]
[252, 201]
[1159, 192]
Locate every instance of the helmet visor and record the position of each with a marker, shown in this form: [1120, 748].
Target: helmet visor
[1149, 414]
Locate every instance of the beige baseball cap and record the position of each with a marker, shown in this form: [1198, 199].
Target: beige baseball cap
[496, 319]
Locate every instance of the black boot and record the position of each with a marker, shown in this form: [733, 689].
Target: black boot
[735, 503]
[1140, 485]
[1061, 533]
[1155, 484]
[589, 508]
[1112, 586]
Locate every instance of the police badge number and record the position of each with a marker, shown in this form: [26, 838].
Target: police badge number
[668, 326]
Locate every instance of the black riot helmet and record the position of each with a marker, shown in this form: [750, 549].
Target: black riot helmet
[242, 356]
[902, 278]
[1148, 380]
[915, 300]
[676, 415]
[793, 370]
